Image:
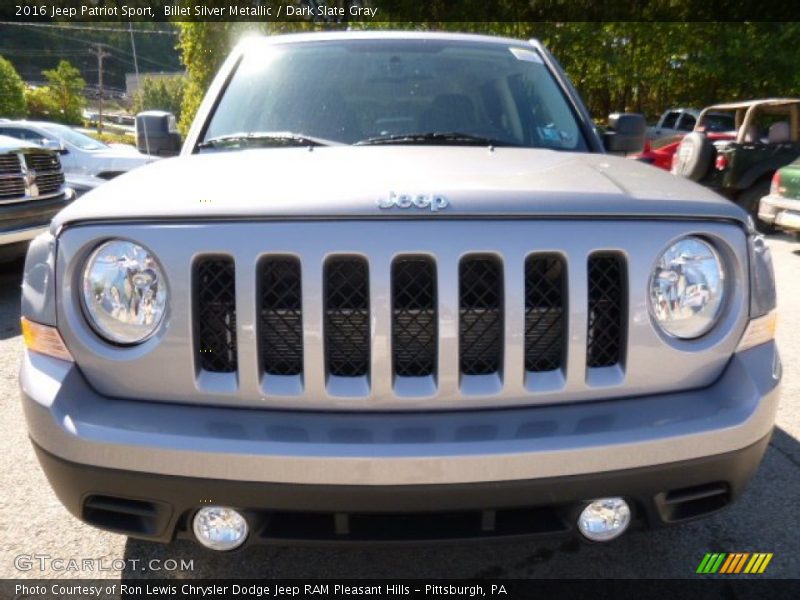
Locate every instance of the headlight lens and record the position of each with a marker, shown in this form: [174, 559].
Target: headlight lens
[124, 292]
[687, 288]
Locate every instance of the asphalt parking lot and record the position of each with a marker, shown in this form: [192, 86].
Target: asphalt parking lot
[33, 522]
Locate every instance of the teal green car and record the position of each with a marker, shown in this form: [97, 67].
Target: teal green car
[781, 208]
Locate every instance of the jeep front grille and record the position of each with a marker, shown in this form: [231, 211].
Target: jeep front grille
[414, 315]
[215, 310]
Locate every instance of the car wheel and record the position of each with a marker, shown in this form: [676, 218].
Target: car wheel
[749, 200]
[694, 156]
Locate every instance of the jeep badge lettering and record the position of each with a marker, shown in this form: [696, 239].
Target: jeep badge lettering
[435, 202]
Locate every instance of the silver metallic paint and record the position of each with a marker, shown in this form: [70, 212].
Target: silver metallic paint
[71, 420]
[163, 367]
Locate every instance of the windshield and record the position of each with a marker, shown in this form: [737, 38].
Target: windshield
[354, 91]
[70, 136]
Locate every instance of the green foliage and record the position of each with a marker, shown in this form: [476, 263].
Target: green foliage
[64, 93]
[12, 92]
[639, 66]
[160, 93]
[41, 103]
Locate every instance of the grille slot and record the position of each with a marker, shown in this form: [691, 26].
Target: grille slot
[12, 187]
[42, 161]
[215, 294]
[281, 317]
[10, 165]
[606, 309]
[414, 318]
[545, 325]
[48, 183]
[347, 317]
[480, 315]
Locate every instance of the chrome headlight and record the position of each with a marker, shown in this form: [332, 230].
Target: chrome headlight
[124, 292]
[687, 288]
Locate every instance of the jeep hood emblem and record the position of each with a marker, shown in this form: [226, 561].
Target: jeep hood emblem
[433, 202]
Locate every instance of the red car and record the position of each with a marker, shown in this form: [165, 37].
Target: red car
[660, 152]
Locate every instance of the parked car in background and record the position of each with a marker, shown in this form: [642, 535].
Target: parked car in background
[781, 207]
[683, 120]
[79, 152]
[32, 190]
[767, 138]
[660, 152]
[83, 183]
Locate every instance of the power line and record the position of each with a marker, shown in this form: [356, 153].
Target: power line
[88, 28]
[83, 41]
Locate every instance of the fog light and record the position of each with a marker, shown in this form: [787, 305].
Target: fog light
[604, 519]
[219, 528]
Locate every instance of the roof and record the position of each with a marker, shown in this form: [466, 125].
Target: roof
[751, 103]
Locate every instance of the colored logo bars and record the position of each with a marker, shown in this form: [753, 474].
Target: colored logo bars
[733, 563]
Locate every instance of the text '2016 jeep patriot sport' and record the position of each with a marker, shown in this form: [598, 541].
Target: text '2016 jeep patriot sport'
[394, 288]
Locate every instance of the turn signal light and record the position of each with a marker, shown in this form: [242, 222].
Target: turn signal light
[44, 340]
[759, 331]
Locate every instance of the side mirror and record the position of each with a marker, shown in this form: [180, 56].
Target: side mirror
[625, 133]
[54, 145]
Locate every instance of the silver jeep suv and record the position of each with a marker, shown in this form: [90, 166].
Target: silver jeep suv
[396, 288]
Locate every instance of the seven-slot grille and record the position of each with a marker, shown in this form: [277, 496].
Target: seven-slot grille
[414, 314]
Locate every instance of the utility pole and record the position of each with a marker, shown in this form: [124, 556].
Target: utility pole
[100, 53]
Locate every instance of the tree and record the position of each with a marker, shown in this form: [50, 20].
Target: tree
[160, 93]
[41, 103]
[12, 92]
[65, 88]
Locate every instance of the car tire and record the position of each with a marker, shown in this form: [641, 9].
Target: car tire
[749, 200]
[694, 156]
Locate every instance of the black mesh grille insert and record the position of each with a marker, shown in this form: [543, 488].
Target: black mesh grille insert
[414, 317]
[606, 310]
[544, 313]
[480, 315]
[215, 322]
[347, 317]
[281, 317]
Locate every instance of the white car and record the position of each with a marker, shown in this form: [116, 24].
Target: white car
[80, 153]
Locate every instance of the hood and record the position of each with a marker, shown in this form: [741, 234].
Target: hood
[9, 144]
[349, 181]
[116, 158]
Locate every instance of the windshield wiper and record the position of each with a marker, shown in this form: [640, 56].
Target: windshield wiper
[434, 138]
[263, 139]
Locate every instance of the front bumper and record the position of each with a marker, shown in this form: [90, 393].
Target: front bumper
[784, 213]
[173, 458]
[23, 221]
